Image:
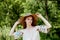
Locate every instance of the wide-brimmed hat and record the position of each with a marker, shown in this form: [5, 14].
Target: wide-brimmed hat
[29, 14]
[26, 14]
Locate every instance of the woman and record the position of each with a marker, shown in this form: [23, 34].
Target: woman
[30, 30]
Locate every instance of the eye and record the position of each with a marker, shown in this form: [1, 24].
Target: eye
[28, 19]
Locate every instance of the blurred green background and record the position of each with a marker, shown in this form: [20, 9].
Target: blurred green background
[11, 10]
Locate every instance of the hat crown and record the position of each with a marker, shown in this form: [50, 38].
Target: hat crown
[27, 14]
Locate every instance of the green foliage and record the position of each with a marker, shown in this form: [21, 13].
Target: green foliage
[11, 10]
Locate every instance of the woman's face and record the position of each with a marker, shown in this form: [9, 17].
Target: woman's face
[28, 20]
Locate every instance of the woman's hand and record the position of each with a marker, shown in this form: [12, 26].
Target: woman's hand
[38, 15]
[18, 21]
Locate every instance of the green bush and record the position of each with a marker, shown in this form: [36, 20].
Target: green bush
[11, 10]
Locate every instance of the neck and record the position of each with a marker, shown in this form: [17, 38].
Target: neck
[29, 26]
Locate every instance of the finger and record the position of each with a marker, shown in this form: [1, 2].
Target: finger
[37, 13]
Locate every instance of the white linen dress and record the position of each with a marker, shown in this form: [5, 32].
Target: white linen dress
[32, 33]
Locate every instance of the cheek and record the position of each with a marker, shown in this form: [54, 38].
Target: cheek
[28, 21]
[31, 21]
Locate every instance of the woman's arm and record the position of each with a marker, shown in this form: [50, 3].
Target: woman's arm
[14, 26]
[44, 20]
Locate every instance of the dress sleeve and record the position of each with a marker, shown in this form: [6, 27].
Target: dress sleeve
[42, 28]
[17, 34]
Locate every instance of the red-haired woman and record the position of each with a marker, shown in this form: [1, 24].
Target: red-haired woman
[30, 29]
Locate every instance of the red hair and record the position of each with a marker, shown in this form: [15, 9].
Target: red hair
[34, 19]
